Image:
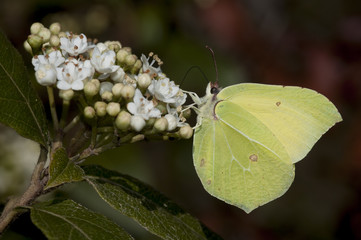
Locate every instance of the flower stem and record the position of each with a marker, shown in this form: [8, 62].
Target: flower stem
[71, 124]
[52, 107]
[34, 190]
[64, 113]
[93, 136]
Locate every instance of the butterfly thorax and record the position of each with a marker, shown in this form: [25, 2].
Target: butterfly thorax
[208, 104]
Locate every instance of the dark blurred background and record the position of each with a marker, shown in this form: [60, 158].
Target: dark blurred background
[314, 44]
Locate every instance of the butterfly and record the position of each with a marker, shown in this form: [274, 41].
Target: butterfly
[249, 136]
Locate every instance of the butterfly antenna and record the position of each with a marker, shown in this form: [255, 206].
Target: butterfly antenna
[215, 63]
[191, 68]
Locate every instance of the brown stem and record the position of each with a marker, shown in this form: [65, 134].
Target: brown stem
[34, 190]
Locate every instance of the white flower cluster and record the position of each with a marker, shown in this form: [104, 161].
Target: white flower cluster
[113, 81]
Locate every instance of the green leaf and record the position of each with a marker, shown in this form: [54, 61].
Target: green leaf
[62, 170]
[20, 106]
[149, 208]
[70, 220]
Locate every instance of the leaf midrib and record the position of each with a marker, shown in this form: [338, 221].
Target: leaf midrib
[26, 101]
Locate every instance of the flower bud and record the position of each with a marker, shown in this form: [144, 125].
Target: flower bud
[54, 41]
[127, 49]
[137, 123]
[118, 76]
[116, 90]
[150, 122]
[144, 81]
[161, 124]
[96, 82]
[66, 94]
[113, 109]
[89, 112]
[100, 108]
[28, 47]
[62, 34]
[127, 92]
[113, 45]
[162, 107]
[105, 87]
[172, 122]
[45, 34]
[107, 96]
[187, 113]
[35, 42]
[55, 28]
[186, 132]
[122, 121]
[136, 67]
[36, 27]
[121, 55]
[130, 59]
[90, 90]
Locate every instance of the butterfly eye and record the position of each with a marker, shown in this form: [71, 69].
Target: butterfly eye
[214, 90]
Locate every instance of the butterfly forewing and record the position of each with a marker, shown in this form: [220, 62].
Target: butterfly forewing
[298, 117]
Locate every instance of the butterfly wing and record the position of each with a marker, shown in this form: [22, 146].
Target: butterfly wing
[297, 116]
[245, 155]
[237, 169]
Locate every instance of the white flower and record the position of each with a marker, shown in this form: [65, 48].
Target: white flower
[148, 67]
[45, 67]
[142, 107]
[74, 45]
[72, 74]
[46, 75]
[103, 61]
[166, 91]
[173, 119]
[54, 58]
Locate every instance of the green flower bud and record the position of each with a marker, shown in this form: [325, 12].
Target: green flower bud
[113, 45]
[150, 122]
[62, 34]
[130, 59]
[90, 90]
[66, 94]
[161, 124]
[162, 107]
[89, 112]
[127, 92]
[28, 47]
[138, 64]
[144, 81]
[55, 28]
[96, 82]
[116, 90]
[113, 109]
[35, 42]
[187, 113]
[45, 34]
[36, 27]
[186, 132]
[100, 108]
[121, 55]
[122, 122]
[54, 41]
[107, 96]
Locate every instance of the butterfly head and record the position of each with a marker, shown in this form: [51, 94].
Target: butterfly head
[212, 89]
